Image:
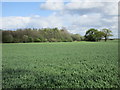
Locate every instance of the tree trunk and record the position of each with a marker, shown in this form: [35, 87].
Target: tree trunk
[105, 39]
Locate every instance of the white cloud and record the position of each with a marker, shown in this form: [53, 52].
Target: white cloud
[82, 5]
[111, 8]
[52, 5]
[31, 22]
[111, 20]
[44, 22]
[72, 5]
[94, 0]
[88, 19]
[14, 22]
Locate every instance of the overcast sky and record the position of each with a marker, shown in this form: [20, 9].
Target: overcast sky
[76, 16]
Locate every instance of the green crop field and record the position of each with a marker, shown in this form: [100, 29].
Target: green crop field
[60, 65]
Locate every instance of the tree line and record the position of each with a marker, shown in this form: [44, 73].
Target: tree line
[51, 35]
[39, 35]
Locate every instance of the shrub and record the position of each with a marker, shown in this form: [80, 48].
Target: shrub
[37, 40]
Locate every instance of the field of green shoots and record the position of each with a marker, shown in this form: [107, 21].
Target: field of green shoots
[60, 65]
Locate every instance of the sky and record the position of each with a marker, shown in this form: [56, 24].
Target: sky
[76, 16]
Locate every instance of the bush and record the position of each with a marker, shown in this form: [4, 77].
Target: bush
[8, 38]
[25, 38]
[37, 40]
[53, 40]
[76, 37]
[30, 39]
